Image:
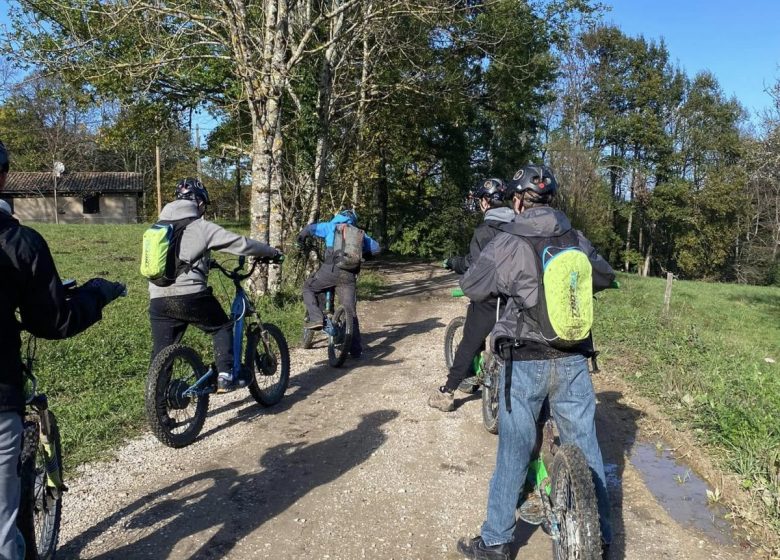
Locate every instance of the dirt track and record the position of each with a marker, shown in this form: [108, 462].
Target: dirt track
[352, 464]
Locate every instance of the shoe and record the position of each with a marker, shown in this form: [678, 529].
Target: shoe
[469, 385]
[442, 399]
[476, 549]
[313, 325]
[532, 509]
[225, 383]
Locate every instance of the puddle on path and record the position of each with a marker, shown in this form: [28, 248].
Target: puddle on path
[681, 492]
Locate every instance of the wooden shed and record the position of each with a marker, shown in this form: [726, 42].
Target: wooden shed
[82, 197]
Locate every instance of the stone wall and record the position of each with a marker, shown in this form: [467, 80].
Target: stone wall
[114, 209]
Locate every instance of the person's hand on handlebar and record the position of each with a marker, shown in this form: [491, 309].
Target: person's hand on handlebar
[108, 291]
[278, 258]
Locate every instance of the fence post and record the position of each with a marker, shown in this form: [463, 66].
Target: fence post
[668, 293]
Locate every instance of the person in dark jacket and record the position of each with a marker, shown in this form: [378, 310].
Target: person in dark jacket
[189, 300]
[490, 196]
[30, 285]
[536, 370]
[329, 275]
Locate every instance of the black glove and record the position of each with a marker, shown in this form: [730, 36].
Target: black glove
[300, 244]
[107, 290]
[278, 258]
[447, 264]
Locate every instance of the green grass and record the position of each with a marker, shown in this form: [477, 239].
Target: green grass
[95, 381]
[706, 365]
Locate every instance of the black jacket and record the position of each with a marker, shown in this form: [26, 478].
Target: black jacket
[30, 284]
[483, 234]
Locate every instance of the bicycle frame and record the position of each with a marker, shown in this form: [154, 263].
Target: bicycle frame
[241, 307]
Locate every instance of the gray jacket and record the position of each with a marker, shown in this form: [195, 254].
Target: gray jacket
[197, 241]
[509, 267]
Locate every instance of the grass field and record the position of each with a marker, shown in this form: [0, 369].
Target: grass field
[706, 363]
[95, 380]
[713, 365]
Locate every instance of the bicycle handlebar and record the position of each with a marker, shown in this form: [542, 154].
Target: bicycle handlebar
[236, 273]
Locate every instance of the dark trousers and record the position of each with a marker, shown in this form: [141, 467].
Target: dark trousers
[345, 282]
[170, 317]
[480, 319]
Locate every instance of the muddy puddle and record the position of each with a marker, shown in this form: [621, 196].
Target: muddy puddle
[681, 492]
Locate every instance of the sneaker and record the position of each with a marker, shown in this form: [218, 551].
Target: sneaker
[313, 325]
[225, 383]
[442, 399]
[469, 385]
[532, 509]
[476, 549]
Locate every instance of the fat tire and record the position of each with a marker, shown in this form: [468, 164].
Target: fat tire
[307, 340]
[271, 395]
[574, 504]
[337, 353]
[490, 393]
[40, 539]
[449, 339]
[156, 396]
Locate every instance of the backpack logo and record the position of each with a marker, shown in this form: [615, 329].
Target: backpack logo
[348, 247]
[567, 294]
[160, 262]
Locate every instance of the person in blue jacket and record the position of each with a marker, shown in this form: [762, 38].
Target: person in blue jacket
[330, 275]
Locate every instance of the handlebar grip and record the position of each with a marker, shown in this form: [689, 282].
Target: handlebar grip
[615, 285]
[457, 292]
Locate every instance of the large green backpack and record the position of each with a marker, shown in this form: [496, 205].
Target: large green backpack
[564, 310]
[160, 262]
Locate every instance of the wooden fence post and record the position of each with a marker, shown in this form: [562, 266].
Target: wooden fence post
[668, 293]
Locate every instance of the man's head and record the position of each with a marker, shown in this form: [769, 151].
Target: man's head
[4, 165]
[532, 185]
[350, 215]
[490, 193]
[192, 189]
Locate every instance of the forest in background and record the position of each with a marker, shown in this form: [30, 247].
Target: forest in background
[398, 107]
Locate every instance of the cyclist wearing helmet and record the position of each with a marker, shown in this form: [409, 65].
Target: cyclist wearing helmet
[488, 197]
[30, 285]
[189, 300]
[535, 369]
[330, 275]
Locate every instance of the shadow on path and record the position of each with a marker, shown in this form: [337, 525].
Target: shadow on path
[227, 506]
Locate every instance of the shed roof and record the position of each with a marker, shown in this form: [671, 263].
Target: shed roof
[29, 183]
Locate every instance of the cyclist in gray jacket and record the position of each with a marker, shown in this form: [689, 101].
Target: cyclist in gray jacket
[189, 300]
[535, 370]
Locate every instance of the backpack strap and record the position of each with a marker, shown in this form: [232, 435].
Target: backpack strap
[174, 262]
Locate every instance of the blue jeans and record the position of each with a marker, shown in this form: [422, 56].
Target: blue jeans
[10, 484]
[573, 406]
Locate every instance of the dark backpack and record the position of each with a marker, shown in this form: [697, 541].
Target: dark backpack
[348, 247]
[160, 262]
[564, 308]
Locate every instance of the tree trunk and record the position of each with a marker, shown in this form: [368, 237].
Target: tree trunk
[648, 256]
[626, 263]
[381, 199]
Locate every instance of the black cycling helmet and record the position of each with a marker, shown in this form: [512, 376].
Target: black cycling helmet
[4, 164]
[493, 189]
[191, 189]
[538, 179]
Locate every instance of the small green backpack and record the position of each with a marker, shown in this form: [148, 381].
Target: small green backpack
[564, 310]
[160, 262]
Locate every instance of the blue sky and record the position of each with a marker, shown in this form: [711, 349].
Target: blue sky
[738, 41]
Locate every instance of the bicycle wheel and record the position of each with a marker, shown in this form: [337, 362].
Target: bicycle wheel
[340, 341]
[271, 368]
[40, 507]
[453, 334]
[175, 419]
[308, 339]
[574, 506]
[490, 393]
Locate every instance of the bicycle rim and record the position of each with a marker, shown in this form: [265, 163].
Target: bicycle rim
[175, 419]
[271, 367]
[47, 508]
[574, 506]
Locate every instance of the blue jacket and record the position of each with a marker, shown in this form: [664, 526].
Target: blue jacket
[327, 231]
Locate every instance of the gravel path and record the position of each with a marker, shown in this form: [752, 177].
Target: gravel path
[351, 464]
